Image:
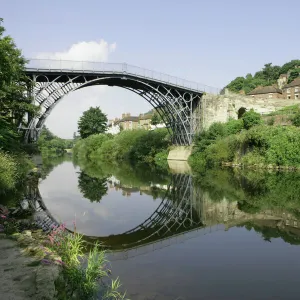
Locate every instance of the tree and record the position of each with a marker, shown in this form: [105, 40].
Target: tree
[237, 84]
[251, 118]
[92, 121]
[14, 102]
[92, 188]
[294, 74]
[290, 65]
[155, 119]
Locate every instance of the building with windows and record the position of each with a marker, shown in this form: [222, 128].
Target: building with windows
[292, 90]
[145, 121]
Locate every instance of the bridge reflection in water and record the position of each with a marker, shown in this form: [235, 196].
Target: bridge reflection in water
[185, 212]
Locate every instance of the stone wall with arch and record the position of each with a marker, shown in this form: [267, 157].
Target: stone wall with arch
[219, 108]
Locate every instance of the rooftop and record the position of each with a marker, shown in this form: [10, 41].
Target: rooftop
[265, 90]
[295, 82]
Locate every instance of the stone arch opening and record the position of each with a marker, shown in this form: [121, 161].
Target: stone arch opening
[241, 112]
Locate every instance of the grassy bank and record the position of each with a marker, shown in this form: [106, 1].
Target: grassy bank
[13, 169]
[248, 142]
[134, 145]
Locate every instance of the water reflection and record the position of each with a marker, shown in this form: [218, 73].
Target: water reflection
[223, 234]
[186, 204]
[92, 188]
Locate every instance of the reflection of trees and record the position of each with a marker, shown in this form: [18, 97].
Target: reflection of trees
[269, 232]
[255, 191]
[49, 163]
[131, 178]
[92, 188]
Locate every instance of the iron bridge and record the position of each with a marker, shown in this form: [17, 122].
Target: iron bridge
[175, 99]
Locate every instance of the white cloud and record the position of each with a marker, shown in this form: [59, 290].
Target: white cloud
[113, 101]
[83, 51]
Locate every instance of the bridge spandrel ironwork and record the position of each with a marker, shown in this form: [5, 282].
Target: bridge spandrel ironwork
[177, 214]
[175, 99]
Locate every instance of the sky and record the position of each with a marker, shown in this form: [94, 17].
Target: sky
[210, 42]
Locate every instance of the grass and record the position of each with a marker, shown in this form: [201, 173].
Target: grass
[84, 282]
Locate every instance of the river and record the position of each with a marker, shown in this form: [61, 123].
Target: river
[219, 235]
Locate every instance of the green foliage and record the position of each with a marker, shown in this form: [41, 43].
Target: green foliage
[260, 145]
[148, 145]
[156, 119]
[294, 74]
[270, 121]
[296, 119]
[51, 145]
[84, 282]
[135, 145]
[251, 118]
[13, 100]
[13, 169]
[93, 121]
[290, 65]
[267, 76]
[8, 171]
[92, 188]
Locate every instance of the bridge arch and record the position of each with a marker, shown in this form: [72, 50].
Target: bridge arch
[174, 99]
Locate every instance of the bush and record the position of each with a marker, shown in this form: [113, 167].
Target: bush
[13, 169]
[8, 171]
[234, 126]
[296, 119]
[136, 145]
[251, 118]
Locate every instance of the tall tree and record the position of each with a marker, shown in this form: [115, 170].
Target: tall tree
[92, 121]
[13, 84]
[155, 119]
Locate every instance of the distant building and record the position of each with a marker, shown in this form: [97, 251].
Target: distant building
[270, 91]
[292, 90]
[129, 122]
[145, 121]
[113, 126]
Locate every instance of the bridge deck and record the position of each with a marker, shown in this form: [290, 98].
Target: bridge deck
[121, 71]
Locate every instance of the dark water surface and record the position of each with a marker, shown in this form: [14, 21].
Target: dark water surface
[219, 235]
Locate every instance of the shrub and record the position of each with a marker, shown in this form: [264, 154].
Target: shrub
[234, 126]
[296, 119]
[13, 169]
[84, 281]
[251, 118]
[270, 121]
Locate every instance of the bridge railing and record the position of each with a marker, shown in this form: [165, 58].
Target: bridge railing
[54, 65]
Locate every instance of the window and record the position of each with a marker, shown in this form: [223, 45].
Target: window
[296, 96]
[289, 97]
[297, 89]
[288, 90]
[270, 95]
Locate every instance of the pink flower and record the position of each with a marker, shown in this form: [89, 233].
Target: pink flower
[3, 217]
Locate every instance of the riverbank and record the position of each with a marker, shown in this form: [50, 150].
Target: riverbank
[23, 276]
[248, 143]
[58, 266]
[132, 145]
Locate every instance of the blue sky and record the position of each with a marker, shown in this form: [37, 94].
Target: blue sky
[210, 42]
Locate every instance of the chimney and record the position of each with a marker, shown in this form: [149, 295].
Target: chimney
[123, 116]
[128, 115]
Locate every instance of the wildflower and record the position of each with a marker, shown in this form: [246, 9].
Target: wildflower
[46, 261]
[3, 216]
[60, 261]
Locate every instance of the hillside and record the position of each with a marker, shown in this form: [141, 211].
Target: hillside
[267, 76]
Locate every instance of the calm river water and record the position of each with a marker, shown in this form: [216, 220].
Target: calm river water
[218, 235]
